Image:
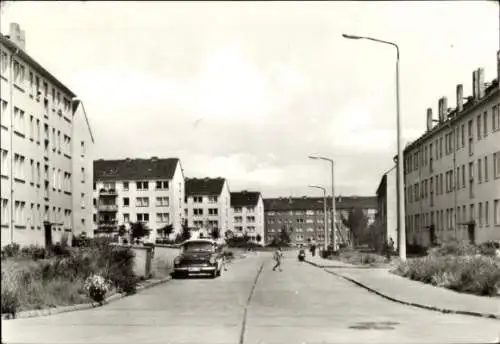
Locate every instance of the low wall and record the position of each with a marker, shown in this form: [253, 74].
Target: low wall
[163, 260]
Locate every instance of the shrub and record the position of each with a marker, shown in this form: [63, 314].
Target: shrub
[10, 301]
[454, 248]
[10, 250]
[469, 274]
[34, 252]
[489, 248]
[96, 288]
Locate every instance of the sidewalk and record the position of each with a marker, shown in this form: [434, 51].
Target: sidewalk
[413, 293]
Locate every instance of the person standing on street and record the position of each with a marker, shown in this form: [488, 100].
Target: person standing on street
[278, 256]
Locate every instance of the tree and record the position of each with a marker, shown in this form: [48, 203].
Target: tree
[215, 233]
[228, 234]
[185, 232]
[138, 230]
[122, 230]
[357, 222]
[167, 230]
[258, 238]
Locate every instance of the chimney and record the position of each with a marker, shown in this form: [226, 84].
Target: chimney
[475, 90]
[17, 36]
[480, 83]
[440, 110]
[498, 66]
[429, 119]
[445, 108]
[460, 98]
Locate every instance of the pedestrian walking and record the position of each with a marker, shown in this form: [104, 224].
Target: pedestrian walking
[313, 248]
[389, 249]
[278, 256]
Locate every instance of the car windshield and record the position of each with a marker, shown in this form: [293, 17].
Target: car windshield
[198, 247]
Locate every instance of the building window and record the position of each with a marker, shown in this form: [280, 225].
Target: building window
[197, 199]
[162, 217]
[479, 127]
[83, 174]
[238, 219]
[19, 217]
[252, 219]
[19, 166]
[126, 201]
[496, 164]
[479, 171]
[125, 186]
[5, 164]
[485, 168]
[197, 211]
[143, 217]
[495, 118]
[213, 211]
[142, 201]
[142, 185]
[162, 201]
[496, 209]
[162, 185]
[237, 209]
[486, 213]
[5, 211]
[212, 199]
[126, 217]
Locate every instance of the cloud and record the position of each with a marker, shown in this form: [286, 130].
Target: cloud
[249, 90]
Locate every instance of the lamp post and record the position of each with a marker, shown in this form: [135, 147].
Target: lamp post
[324, 213]
[400, 178]
[334, 236]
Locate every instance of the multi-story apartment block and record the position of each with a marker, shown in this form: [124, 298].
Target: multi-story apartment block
[207, 204]
[150, 191]
[452, 172]
[43, 127]
[247, 214]
[303, 217]
[386, 217]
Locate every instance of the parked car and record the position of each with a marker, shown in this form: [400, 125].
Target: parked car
[199, 256]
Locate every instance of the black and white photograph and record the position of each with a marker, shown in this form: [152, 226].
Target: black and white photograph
[250, 172]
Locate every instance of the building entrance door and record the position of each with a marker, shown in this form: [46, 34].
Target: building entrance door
[48, 234]
[471, 231]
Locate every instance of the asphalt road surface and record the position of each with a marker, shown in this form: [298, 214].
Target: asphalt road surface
[252, 304]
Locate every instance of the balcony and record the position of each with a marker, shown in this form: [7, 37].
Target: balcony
[107, 207]
[107, 222]
[108, 192]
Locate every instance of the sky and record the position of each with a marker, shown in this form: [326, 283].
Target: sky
[248, 90]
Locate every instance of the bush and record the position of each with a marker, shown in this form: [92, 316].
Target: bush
[468, 274]
[10, 250]
[454, 248]
[34, 252]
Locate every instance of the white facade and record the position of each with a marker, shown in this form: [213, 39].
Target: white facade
[155, 202]
[37, 129]
[452, 173]
[387, 208]
[207, 211]
[249, 219]
[83, 167]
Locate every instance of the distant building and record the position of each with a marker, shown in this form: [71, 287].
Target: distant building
[207, 204]
[46, 151]
[303, 217]
[247, 214]
[150, 191]
[452, 172]
[386, 218]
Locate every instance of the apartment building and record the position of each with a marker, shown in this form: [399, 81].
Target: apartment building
[303, 217]
[452, 172]
[247, 215]
[42, 124]
[207, 204]
[386, 217]
[150, 191]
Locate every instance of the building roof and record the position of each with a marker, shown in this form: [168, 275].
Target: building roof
[135, 169]
[244, 198]
[471, 104]
[204, 186]
[31, 61]
[77, 103]
[316, 203]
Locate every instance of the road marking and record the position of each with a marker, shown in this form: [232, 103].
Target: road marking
[244, 323]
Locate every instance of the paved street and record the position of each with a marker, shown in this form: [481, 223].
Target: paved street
[302, 304]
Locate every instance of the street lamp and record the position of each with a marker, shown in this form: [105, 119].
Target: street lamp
[334, 236]
[324, 210]
[400, 178]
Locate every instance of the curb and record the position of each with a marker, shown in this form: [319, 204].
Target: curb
[432, 308]
[65, 309]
